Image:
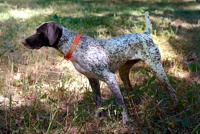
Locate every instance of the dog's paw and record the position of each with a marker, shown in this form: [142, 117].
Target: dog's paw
[99, 112]
[128, 123]
[174, 99]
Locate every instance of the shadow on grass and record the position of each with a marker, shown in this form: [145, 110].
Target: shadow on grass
[49, 117]
[153, 112]
[158, 113]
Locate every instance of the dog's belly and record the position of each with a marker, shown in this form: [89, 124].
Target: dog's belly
[88, 72]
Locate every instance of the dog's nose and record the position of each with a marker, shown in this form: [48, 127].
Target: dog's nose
[24, 42]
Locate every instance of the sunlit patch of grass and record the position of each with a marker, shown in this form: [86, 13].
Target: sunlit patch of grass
[26, 14]
[22, 14]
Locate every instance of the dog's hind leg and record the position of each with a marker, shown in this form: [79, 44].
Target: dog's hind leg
[152, 57]
[124, 73]
[161, 76]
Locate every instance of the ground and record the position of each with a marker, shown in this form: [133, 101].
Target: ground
[42, 93]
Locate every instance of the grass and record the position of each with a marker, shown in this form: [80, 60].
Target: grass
[42, 93]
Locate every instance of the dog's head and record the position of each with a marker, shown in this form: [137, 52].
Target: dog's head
[47, 34]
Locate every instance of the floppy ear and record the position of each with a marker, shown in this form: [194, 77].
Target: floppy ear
[53, 30]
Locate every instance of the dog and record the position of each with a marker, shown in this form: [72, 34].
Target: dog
[99, 59]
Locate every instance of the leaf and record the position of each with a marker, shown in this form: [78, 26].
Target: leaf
[152, 79]
[172, 124]
[185, 122]
[43, 96]
[53, 100]
[60, 55]
[18, 83]
[197, 129]
[151, 93]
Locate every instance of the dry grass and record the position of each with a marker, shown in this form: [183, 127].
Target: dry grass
[42, 93]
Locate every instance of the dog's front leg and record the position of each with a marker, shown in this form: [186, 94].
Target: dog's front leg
[111, 81]
[94, 83]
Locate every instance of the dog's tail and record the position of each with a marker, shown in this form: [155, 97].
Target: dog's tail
[148, 23]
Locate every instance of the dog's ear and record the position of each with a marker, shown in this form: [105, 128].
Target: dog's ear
[51, 31]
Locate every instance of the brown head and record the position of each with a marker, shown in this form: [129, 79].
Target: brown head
[47, 34]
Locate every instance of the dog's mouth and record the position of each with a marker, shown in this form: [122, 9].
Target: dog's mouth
[28, 46]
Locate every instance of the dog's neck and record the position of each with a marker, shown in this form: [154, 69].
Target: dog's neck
[65, 41]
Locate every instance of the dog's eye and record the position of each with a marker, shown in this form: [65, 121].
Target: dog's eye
[37, 31]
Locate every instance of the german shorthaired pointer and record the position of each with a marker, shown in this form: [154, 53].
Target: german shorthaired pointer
[99, 59]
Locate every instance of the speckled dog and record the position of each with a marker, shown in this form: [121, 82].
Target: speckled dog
[99, 59]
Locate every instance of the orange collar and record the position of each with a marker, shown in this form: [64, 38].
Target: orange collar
[73, 47]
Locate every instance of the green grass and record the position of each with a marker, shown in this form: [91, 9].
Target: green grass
[40, 92]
